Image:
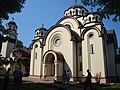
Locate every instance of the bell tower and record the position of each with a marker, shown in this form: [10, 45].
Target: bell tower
[9, 39]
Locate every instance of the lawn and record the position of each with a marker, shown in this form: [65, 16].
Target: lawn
[109, 86]
[26, 85]
[41, 86]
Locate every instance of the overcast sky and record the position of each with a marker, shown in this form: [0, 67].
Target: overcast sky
[47, 12]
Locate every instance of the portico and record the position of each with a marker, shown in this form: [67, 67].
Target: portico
[52, 65]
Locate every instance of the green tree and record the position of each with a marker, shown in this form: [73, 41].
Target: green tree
[19, 44]
[105, 7]
[9, 7]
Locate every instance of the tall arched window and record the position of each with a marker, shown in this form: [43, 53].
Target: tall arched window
[42, 33]
[96, 18]
[35, 55]
[82, 12]
[36, 46]
[76, 12]
[70, 12]
[90, 19]
[92, 48]
[91, 43]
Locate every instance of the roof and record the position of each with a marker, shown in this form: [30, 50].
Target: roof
[76, 6]
[41, 28]
[25, 53]
[12, 22]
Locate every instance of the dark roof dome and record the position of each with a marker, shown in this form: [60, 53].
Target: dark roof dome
[40, 32]
[12, 22]
[76, 10]
[11, 25]
[76, 5]
[41, 28]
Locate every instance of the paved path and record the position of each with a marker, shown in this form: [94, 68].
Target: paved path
[56, 85]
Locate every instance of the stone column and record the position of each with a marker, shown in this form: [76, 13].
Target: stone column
[56, 69]
[44, 70]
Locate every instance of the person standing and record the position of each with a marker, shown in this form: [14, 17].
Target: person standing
[17, 78]
[64, 76]
[88, 80]
[68, 77]
[6, 78]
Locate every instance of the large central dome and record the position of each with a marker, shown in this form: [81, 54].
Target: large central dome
[76, 10]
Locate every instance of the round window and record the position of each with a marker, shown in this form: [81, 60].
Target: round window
[57, 41]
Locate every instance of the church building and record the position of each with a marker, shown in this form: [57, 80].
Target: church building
[77, 42]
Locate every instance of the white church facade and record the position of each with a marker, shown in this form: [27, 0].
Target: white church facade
[77, 42]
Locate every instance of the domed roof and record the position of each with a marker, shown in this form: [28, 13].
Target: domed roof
[12, 22]
[11, 25]
[76, 10]
[41, 28]
[40, 32]
[76, 6]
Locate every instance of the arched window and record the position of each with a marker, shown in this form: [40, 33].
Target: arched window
[68, 26]
[93, 18]
[36, 46]
[90, 35]
[96, 18]
[82, 12]
[42, 34]
[90, 19]
[76, 12]
[37, 33]
[35, 55]
[92, 48]
[70, 12]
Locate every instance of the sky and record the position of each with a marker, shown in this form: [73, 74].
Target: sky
[47, 12]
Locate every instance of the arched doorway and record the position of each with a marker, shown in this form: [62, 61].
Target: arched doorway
[52, 64]
[49, 60]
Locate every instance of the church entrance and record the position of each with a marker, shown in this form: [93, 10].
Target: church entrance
[52, 65]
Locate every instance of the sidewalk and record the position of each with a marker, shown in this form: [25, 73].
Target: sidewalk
[56, 85]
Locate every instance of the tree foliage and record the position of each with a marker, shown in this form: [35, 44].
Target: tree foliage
[10, 7]
[105, 7]
[19, 44]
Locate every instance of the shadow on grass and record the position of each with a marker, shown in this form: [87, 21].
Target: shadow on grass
[26, 85]
[115, 86]
[39, 86]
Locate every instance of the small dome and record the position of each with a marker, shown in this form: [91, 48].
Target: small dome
[93, 17]
[76, 6]
[12, 22]
[76, 10]
[42, 28]
[40, 32]
[11, 25]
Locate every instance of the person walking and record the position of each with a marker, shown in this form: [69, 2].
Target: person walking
[6, 78]
[17, 78]
[88, 80]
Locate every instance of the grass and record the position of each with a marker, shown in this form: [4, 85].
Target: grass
[40, 86]
[110, 86]
[26, 85]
